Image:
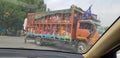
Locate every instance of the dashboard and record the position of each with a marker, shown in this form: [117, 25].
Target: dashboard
[31, 53]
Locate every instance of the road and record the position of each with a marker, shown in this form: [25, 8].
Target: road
[18, 42]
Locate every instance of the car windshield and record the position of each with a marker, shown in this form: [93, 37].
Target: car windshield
[62, 25]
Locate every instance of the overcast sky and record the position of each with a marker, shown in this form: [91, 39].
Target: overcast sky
[107, 10]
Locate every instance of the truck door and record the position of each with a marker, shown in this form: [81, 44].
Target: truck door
[84, 30]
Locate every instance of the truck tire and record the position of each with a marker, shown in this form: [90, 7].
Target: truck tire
[81, 47]
[38, 41]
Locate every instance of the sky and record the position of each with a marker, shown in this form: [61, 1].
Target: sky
[107, 10]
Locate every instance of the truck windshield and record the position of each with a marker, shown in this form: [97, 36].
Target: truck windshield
[86, 25]
[63, 25]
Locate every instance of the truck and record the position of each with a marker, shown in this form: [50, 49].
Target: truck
[64, 28]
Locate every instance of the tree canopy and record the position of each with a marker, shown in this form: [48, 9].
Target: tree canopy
[32, 5]
[13, 12]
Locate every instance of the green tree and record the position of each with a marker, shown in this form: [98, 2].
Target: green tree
[106, 27]
[32, 6]
[11, 16]
[13, 12]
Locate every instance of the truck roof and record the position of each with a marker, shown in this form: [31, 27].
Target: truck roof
[42, 15]
[91, 21]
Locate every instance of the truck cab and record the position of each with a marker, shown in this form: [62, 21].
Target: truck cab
[87, 31]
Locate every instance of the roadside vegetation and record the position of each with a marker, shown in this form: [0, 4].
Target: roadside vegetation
[13, 13]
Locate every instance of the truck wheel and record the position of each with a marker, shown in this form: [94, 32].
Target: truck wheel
[38, 41]
[81, 47]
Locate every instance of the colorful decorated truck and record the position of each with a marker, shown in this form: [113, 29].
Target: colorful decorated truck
[65, 28]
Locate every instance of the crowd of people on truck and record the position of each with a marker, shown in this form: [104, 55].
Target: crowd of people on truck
[57, 18]
[53, 29]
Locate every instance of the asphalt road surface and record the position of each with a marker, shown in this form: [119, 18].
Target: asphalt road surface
[18, 42]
